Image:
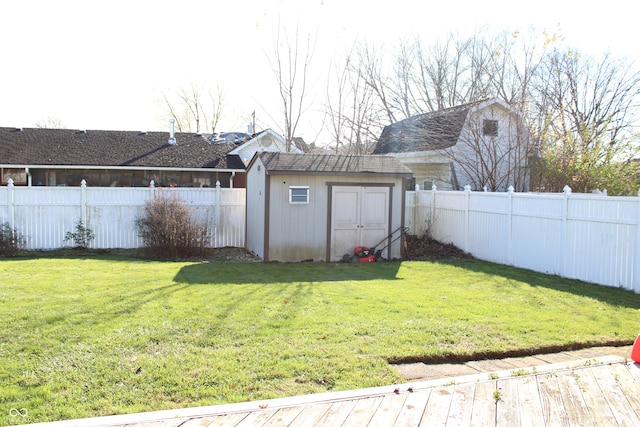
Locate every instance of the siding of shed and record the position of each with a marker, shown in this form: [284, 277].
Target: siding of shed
[299, 232]
[256, 197]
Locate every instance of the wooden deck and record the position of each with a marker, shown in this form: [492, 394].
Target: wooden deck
[598, 392]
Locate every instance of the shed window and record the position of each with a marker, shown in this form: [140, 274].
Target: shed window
[298, 195]
[490, 128]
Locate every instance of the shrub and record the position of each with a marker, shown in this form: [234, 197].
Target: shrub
[168, 231]
[10, 240]
[82, 237]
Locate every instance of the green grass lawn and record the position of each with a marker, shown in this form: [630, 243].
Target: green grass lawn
[101, 335]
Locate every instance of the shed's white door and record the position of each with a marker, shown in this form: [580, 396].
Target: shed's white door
[359, 217]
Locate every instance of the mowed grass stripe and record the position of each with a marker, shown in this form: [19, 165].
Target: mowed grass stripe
[98, 335]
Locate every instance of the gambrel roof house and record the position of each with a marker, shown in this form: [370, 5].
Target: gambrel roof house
[480, 144]
[56, 157]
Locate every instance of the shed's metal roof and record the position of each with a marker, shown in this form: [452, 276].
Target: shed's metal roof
[332, 163]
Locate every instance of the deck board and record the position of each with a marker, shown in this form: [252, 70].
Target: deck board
[628, 386]
[508, 406]
[529, 400]
[362, 412]
[551, 399]
[603, 392]
[599, 410]
[388, 411]
[613, 394]
[283, 417]
[337, 413]
[413, 409]
[310, 415]
[217, 421]
[459, 414]
[573, 399]
[483, 409]
[437, 409]
[257, 418]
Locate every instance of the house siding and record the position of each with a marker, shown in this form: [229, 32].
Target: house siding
[500, 153]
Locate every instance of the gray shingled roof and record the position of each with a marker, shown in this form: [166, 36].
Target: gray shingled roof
[332, 164]
[425, 132]
[64, 147]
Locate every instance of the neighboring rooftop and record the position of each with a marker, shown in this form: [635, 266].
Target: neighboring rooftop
[424, 132]
[65, 147]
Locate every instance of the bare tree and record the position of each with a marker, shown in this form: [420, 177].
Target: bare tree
[336, 101]
[354, 121]
[589, 108]
[371, 71]
[194, 109]
[451, 72]
[290, 63]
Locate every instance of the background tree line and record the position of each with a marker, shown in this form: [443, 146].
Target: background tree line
[581, 111]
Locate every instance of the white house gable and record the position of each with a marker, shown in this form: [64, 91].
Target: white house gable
[491, 148]
[266, 141]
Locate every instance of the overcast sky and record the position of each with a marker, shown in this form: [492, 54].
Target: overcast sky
[95, 64]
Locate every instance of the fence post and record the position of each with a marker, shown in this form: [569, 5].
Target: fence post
[414, 209]
[83, 211]
[432, 218]
[510, 192]
[565, 229]
[218, 216]
[467, 240]
[11, 203]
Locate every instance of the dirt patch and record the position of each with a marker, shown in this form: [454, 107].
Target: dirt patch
[426, 248]
[418, 249]
[232, 254]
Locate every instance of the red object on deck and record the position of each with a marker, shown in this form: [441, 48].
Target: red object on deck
[635, 351]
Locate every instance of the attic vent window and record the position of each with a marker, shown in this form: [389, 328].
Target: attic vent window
[490, 128]
[298, 195]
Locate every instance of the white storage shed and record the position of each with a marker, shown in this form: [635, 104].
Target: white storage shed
[320, 207]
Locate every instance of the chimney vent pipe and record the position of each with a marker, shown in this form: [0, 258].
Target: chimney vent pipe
[172, 133]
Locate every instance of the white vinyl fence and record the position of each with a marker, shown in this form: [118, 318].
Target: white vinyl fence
[43, 215]
[590, 237]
